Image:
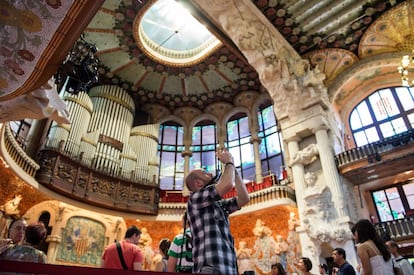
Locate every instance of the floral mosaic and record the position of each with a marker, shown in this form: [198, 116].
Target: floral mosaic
[27, 27]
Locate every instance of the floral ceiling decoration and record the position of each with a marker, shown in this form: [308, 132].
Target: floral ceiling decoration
[26, 26]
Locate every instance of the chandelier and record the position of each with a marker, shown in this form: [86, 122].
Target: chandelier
[80, 69]
[406, 60]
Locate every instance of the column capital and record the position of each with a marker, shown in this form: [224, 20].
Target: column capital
[254, 139]
[187, 153]
[54, 239]
[320, 127]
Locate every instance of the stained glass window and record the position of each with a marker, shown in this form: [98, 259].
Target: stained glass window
[383, 114]
[172, 163]
[270, 148]
[204, 140]
[393, 203]
[238, 143]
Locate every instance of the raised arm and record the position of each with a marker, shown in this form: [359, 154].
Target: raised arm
[225, 183]
[242, 194]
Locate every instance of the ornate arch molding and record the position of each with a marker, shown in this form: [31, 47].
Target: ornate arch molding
[360, 80]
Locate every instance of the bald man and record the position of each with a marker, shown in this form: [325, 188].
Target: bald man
[213, 244]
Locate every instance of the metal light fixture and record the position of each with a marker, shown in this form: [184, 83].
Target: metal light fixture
[80, 69]
[406, 60]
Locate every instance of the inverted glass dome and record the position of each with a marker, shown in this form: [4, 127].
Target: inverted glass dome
[171, 35]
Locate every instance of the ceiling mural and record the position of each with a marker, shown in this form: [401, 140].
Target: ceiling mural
[333, 35]
[26, 26]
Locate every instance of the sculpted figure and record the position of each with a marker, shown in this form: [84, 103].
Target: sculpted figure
[306, 156]
[11, 207]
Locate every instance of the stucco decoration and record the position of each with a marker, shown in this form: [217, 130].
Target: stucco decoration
[39, 104]
[306, 156]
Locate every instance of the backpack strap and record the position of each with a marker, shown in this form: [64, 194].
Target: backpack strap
[121, 256]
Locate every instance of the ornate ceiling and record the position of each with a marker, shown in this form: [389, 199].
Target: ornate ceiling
[334, 35]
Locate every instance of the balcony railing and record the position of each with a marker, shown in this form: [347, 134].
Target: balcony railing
[397, 229]
[372, 152]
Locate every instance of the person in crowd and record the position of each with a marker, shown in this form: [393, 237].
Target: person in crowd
[404, 265]
[213, 244]
[277, 269]
[180, 257]
[323, 269]
[163, 248]
[339, 259]
[26, 252]
[15, 234]
[373, 254]
[129, 252]
[305, 265]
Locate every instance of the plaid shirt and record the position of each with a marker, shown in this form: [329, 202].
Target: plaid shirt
[213, 244]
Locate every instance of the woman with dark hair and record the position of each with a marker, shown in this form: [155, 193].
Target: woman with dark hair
[163, 248]
[277, 269]
[371, 249]
[305, 265]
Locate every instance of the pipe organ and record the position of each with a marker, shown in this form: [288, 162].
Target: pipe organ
[113, 116]
[101, 135]
[101, 158]
[144, 141]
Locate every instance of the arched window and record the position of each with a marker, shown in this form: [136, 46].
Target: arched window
[382, 114]
[271, 146]
[170, 146]
[204, 144]
[238, 144]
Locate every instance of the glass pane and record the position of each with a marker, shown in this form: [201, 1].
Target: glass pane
[360, 138]
[377, 107]
[232, 130]
[408, 189]
[399, 125]
[388, 103]
[209, 134]
[271, 130]
[268, 117]
[245, 140]
[249, 173]
[273, 145]
[247, 154]
[392, 193]
[169, 135]
[387, 130]
[262, 149]
[276, 165]
[397, 209]
[405, 98]
[234, 151]
[196, 137]
[355, 121]
[180, 135]
[244, 127]
[265, 167]
[411, 120]
[409, 193]
[372, 135]
[364, 114]
[195, 161]
[209, 161]
[381, 204]
[233, 143]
